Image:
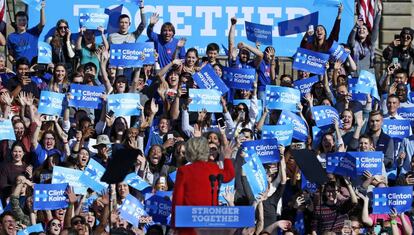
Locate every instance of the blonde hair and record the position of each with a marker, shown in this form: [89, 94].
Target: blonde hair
[197, 149]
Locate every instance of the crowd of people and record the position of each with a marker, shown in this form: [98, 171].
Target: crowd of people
[168, 137]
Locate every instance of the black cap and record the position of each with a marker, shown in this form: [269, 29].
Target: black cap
[407, 30]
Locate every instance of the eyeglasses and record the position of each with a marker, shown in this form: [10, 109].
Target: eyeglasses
[63, 27]
[240, 109]
[56, 224]
[76, 222]
[406, 36]
[50, 138]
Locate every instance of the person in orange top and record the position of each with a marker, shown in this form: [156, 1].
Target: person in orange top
[192, 186]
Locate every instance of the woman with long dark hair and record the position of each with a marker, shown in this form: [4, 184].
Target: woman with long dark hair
[362, 42]
[62, 47]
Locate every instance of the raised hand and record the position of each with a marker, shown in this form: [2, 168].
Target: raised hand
[181, 42]
[155, 17]
[233, 20]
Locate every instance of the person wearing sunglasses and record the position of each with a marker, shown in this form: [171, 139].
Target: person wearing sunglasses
[54, 227]
[62, 47]
[401, 49]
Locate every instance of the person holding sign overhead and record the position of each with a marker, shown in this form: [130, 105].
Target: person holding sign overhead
[320, 42]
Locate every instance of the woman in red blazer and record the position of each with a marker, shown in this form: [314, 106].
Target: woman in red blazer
[192, 185]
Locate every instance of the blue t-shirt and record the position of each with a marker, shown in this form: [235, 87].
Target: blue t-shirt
[263, 73]
[24, 44]
[41, 155]
[238, 64]
[166, 50]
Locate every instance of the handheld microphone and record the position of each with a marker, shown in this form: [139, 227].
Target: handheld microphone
[212, 179]
[219, 182]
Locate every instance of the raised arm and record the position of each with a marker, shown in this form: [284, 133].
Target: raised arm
[42, 16]
[104, 40]
[232, 49]
[79, 40]
[153, 20]
[254, 50]
[143, 23]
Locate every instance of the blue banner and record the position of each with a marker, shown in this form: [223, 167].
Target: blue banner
[384, 199]
[283, 98]
[340, 163]
[70, 176]
[49, 196]
[85, 96]
[310, 61]
[324, 115]
[298, 25]
[329, 3]
[307, 185]
[92, 18]
[172, 176]
[368, 80]
[239, 78]
[6, 130]
[51, 103]
[33, 4]
[305, 85]
[133, 180]
[214, 216]
[398, 129]
[132, 54]
[223, 188]
[259, 33]
[92, 176]
[159, 208]
[126, 104]
[131, 210]
[255, 173]
[283, 133]
[338, 53]
[368, 161]
[316, 137]
[300, 130]
[44, 53]
[247, 102]
[267, 150]
[205, 21]
[205, 99]
[358, 91]
[31, 229]
[208, 79]
[407, 113]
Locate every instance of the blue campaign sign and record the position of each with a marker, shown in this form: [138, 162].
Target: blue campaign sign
[340, 163]
[6, 130]
[338, 53]
[255, 173]
[283, 98]
[225, 187]
[259, 33]
[307, 185]
[324, 115]
[205, 99]
[172, 176]
[300, 129]
[214, 216]
[407, 113]
[298, 25]
[132, 209]
[159, 208]
[266, 149]
[368, 161]
[49, 196]
[384, 199]
[316, 137]
[126, 104]
[205, 21]
[358, 91]
[31, 229]
[133, 180]
[85, 96]
[92, 176]
[368, 80]
[305, 85]
[51, 103]
[283, 133]
[44, 53]
[398, 129]
[310, 61]
[208, 79]
[239, 78]
[35, 4]
[132, 54]
[92, 18]
[70, 176]
[247, 102]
